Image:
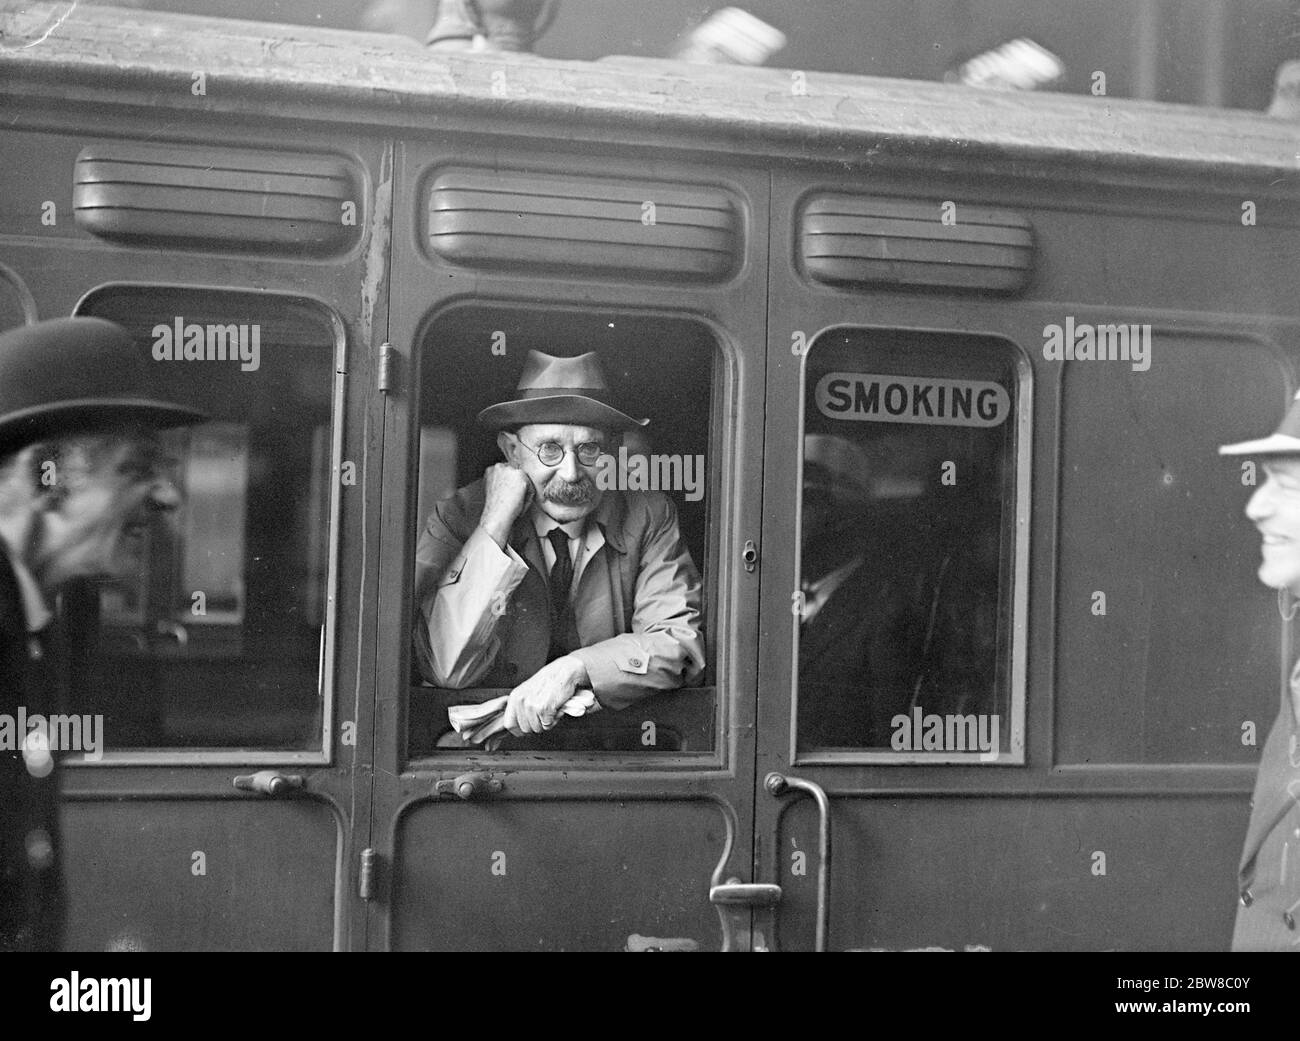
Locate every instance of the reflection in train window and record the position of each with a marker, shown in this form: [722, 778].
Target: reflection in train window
[217, 642]
[617, 635]
[908, 528]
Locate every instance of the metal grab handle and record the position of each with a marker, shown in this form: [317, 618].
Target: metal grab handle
[736, 902]
[268, 782]
[778, 785]
[469, 786]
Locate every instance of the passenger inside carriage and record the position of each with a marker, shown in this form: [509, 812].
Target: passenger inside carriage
[543, 578]
[888, 623]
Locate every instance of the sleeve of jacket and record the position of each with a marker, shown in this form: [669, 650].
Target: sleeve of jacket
[461, 592]
[665, 649]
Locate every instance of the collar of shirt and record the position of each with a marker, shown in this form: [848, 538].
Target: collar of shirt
[580, 549]
[817, 593]
[34, 606]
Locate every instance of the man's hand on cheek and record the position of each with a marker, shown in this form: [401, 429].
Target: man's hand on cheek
[535, 704]
[508, 492]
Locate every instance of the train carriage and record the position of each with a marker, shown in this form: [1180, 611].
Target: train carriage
[1020, 324]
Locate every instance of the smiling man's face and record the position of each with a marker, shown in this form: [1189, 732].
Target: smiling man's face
[1275, 511]
[112, 485]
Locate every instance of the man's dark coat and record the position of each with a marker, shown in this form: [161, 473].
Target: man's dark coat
[31, 891]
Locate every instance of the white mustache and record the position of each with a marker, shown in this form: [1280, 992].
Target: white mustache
[577, 493]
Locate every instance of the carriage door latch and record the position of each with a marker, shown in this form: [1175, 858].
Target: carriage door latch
[735, 901]
[269, 782]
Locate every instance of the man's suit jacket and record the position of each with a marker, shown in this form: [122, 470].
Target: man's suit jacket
[31, 892]
[896, 632]
[483, 616]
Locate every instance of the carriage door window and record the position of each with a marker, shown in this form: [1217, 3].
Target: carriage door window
[216, 640]
[645, 605]
[914, 446]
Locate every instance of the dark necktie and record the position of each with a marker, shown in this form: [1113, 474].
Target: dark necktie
[561, 571]
[563, 633]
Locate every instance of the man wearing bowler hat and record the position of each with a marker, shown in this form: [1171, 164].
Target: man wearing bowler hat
[80, 473]
[538, 579]
[1268, 911]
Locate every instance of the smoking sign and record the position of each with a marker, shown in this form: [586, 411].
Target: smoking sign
[871, 398]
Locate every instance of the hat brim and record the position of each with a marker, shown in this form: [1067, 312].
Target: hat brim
[575, 409]
[89, 415]
[1274, 444]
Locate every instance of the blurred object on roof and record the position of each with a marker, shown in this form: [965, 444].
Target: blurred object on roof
[393, 16]
[490, 25]
[731, 37]
[1286, 91]
[1018, 65]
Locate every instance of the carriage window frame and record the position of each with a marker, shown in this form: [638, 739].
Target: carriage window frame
[322, 753]
[716, 572]
[1015, 601]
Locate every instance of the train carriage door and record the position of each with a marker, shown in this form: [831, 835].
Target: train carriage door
[892, 644]
[981, 725]
[627, 828]
[219, 813]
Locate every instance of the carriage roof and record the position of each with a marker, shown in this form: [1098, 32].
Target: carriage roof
[77, 53]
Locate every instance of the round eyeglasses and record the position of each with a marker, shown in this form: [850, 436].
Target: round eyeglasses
[551, 453]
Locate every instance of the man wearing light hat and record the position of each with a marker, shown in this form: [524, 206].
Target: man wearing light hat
[1268, 911]
[80, 472]
[537, 579]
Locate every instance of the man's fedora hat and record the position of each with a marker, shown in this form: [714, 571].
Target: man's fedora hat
[560, 390]
[75, 375]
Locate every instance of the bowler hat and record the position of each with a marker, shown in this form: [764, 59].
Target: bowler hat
[560, 390]
[1285, 440]
[75, 375]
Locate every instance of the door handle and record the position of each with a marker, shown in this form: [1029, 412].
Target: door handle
[469, 786]
[735, 901]
[269, 782]
[778, 785]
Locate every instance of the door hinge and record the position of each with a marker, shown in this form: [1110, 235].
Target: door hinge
[366, 875]
[388, 359]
